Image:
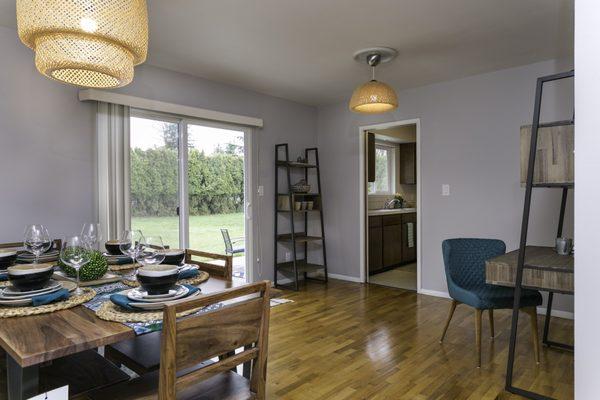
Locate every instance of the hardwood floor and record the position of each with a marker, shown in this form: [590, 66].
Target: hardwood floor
[353, 341]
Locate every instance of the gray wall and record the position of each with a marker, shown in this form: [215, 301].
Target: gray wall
[46, 141]
[470, 140]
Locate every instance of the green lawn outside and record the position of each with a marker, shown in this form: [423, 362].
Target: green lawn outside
[205, 230]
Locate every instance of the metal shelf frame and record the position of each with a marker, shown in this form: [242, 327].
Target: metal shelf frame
[523, 240]
[293, 238]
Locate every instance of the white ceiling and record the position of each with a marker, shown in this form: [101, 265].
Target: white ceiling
[302, 49]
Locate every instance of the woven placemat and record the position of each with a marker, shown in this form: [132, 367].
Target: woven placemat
[195, 281]
[109, 311]
[122, 267]
[74, 300]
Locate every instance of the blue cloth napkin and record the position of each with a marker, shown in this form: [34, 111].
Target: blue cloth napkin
[188, 274]
[123, 301]
[43, 299]
[3, 277]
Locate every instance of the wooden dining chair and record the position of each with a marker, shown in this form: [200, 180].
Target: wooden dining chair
[133, 353]
[186, 342]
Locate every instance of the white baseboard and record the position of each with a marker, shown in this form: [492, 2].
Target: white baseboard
[540, 310]
[345, 278]
[557, 313]
[433, 293]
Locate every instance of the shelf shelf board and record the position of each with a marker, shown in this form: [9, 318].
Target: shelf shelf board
[294, 164]
[300, 194]
[302, 266]
[554, 185]
[299, 211]
[300, 237]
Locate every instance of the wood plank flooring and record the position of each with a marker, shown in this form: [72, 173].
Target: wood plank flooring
[353, 341]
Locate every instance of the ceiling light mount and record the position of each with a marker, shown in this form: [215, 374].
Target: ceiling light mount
[374, 97]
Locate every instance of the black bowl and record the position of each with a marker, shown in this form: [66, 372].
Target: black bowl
[112, 246]
[157, 279]
[174, 257]
[27, 277]
[7, 258]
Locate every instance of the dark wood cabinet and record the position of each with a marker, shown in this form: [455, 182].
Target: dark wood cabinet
[375, 245]
[392, 245]
[370, 157]
[409, 237]
[390, 241]
[408, 164]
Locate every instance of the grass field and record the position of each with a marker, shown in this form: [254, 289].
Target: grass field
[205, 230]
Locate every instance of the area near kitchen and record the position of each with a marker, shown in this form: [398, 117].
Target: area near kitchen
[391, 206]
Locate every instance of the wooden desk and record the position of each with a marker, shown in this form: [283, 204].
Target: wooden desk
[545, 270]
[29, 341]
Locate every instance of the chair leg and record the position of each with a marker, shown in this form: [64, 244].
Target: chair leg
[450, 314]
[478, 314]
[534, 332]
[491, 315]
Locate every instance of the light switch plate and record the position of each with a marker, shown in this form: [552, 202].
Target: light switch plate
[445, 189]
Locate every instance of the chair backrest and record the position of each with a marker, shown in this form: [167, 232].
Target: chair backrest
[220, 265]
[227, 240]
[243, 321]
[464, 260]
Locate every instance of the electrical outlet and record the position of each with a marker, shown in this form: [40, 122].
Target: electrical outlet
[261, 190]
[288, 256]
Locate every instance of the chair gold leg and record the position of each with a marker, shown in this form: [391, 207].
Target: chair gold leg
[478, 314]
[491, 315]
[534, 332]
[450, 314]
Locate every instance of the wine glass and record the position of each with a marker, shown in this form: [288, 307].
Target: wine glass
[131, 244]
[75, 253]
[152, 251]
[91, 234]
[37, 240]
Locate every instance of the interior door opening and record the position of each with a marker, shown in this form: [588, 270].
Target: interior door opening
[390, 204]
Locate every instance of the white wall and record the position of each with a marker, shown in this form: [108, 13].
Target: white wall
[46, 141]
[470, 140]
[587, 215]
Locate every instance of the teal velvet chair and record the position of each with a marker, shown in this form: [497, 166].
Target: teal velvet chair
[464, 261]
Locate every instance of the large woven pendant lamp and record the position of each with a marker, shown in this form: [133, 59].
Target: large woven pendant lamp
[87, 43]
[374, 97]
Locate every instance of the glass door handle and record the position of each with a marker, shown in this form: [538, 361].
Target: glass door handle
[177, 210]
[248, 211]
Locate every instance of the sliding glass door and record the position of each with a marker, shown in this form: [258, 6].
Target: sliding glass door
[154, 181]
[189, 183]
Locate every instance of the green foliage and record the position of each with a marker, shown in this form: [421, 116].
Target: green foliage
[93, 270]
[216, 182]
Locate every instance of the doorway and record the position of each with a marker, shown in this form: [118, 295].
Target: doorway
[189, 183]
[390, 204]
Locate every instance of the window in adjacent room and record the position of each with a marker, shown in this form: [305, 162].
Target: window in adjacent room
[385, 159]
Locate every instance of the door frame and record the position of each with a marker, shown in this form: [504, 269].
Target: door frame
[250, 170]
[362, 179]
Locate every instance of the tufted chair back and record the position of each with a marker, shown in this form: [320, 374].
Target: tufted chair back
[464, 261]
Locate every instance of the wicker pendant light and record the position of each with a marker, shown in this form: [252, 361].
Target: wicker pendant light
[374, 97]
[88, 43]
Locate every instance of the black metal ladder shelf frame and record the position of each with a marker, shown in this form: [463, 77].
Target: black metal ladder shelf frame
[523, 240]
[297, 266]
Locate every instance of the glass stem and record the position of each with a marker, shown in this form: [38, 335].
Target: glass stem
[77, 273]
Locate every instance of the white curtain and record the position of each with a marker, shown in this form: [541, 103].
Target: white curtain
[112, 169]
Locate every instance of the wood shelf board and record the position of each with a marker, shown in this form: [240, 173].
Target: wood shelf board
[302, 266]
[299, 237]
[294, 164]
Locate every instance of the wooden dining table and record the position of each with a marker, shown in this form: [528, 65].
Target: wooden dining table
[32, 340]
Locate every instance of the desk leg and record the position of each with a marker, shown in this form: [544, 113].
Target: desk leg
[22, 382]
